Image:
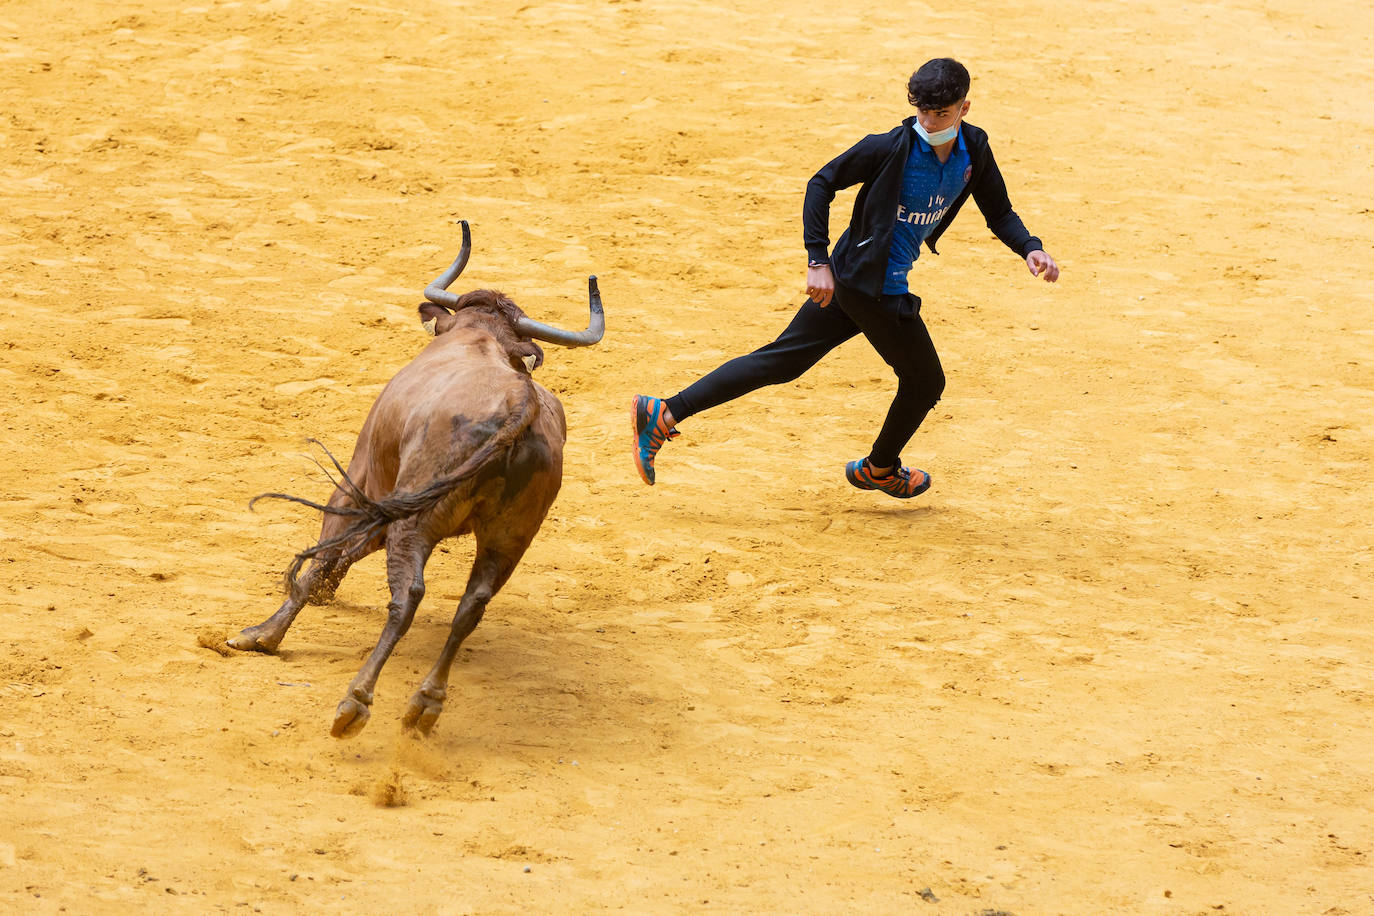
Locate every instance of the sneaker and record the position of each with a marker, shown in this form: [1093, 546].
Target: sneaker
[904, 484]
[650, 434]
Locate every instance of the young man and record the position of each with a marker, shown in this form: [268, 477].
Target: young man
[914, 180]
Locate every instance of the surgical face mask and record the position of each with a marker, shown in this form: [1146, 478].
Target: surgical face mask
[940, 137]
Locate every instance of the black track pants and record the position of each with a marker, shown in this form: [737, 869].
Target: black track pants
[892, 325]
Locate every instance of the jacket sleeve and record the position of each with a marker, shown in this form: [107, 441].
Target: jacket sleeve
[990, 193]
[854, 166]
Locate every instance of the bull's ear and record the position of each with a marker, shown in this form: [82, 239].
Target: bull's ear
[435, 318]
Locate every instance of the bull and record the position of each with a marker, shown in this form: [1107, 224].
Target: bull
[462, 440]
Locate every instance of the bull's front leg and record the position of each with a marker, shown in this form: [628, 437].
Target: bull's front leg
[406, 555]
[316, 586]
[266, 636]
[323, 574]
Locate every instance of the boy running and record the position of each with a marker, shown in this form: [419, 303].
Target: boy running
[914, 179]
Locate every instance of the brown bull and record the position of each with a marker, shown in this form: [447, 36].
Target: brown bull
[461, 440]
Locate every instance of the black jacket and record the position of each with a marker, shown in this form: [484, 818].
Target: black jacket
[877, 162]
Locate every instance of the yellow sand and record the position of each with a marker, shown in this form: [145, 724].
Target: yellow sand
[1118, 660]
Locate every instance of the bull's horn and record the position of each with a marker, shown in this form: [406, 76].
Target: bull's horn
[595, 329]
[437, 292]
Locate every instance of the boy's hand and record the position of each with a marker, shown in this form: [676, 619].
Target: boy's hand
[820, 284]
[1040, 263]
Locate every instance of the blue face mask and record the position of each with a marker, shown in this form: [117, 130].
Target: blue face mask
[940, 137]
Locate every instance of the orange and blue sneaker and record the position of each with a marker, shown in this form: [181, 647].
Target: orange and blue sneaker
[650, 433]
[903, 483]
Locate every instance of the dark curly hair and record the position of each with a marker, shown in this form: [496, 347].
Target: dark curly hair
[939, 83]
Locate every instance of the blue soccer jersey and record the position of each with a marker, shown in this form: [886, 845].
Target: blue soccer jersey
[929, 187]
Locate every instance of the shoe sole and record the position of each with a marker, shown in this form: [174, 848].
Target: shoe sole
[644, 475]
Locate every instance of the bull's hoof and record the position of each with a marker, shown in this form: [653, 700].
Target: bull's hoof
[422, 712]
[255, 639]
[350, 718]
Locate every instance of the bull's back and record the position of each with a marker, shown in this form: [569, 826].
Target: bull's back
[445, 405]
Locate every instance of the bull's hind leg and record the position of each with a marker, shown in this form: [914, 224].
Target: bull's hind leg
[406, 554]
[490, 570]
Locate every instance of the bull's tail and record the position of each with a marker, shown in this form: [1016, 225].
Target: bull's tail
[372, 516]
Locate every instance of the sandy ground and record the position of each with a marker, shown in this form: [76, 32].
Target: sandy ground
[1118, 660]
